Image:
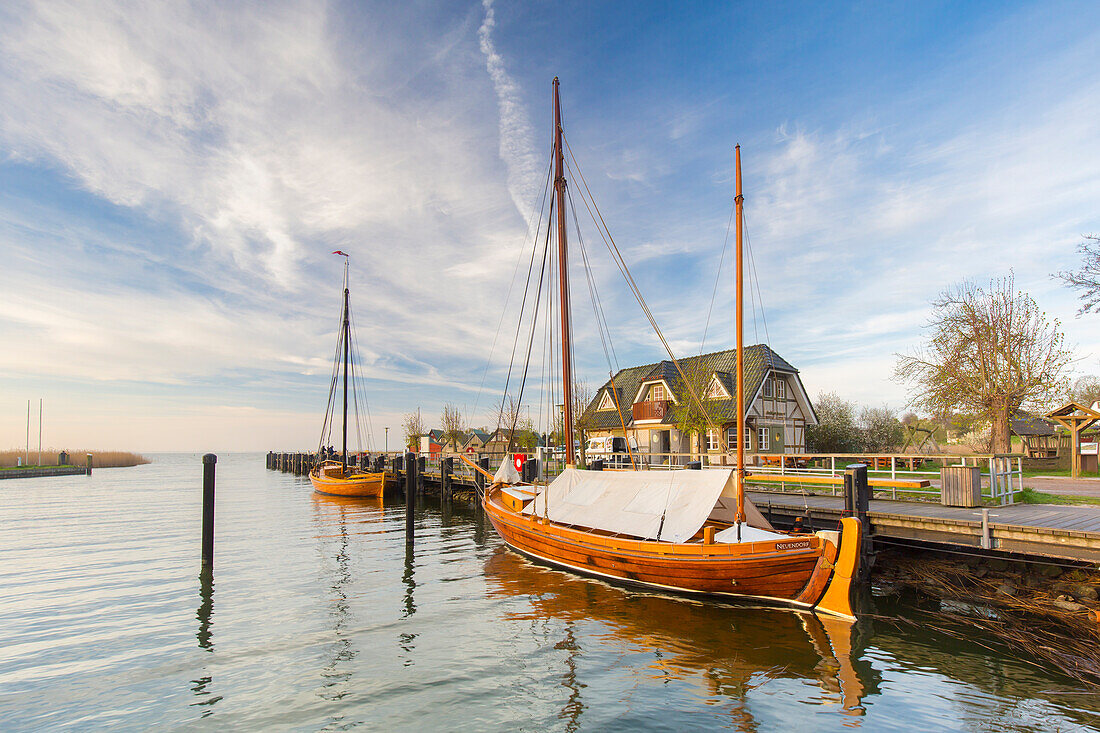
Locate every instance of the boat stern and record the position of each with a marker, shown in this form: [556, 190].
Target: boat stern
[837, 599]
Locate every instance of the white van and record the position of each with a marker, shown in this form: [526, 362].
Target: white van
[611, 448]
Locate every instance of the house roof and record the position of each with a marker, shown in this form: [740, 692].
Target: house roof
[1024, 423]
[436, 435]
[759, 358]
[481, 435]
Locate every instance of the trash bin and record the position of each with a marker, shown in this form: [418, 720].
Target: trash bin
[961, 486]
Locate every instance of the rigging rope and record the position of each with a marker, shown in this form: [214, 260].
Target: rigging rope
[613, 249]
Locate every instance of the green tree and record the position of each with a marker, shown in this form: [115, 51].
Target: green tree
[882, 431]
[694, 418]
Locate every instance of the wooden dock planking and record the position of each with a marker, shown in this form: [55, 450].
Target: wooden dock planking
[1070, 532]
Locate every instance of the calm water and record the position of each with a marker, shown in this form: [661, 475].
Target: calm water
[317, 619]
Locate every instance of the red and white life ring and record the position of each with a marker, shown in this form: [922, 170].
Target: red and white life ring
[518, 461]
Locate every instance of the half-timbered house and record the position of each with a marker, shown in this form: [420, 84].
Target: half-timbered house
[642, 402]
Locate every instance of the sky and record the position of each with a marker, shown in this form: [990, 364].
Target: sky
[174, 177]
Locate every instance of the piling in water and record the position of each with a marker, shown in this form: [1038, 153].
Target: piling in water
[446, 467]
[88, 471]
[208, 462]
[410, 496]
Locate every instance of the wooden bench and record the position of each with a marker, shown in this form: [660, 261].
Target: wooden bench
[875, 483]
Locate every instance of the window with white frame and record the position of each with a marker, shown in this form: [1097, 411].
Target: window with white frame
[780, 388]
[712, 440]
[657, 393]
[764, 439]
[731, 438]
[768, 391]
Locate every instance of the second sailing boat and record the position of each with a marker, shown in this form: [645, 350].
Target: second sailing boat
[333, 476]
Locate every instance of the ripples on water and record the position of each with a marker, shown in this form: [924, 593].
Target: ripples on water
[317, 618]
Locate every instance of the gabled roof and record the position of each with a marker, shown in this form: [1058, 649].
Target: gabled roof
[482, 435]
[1024, 423]
[435, 435]
[759, 358]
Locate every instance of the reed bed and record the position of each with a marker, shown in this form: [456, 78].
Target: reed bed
[1049, 615]
[100, 458]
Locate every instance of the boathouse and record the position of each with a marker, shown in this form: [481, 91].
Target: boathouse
[644, 401]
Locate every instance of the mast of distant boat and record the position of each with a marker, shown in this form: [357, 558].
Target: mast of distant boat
[563, 278]
[346, 338]
[740, 204]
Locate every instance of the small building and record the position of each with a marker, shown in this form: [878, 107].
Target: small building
[1040, 437]
[476, 441]
[644, 400]
[522, 440]
[432, 443]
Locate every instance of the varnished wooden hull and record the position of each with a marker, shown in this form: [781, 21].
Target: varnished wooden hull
[802, 571]
[356, 485]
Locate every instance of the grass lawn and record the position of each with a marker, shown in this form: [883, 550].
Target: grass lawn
[1031, 496]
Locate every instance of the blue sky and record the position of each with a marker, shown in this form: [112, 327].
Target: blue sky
[173, 178]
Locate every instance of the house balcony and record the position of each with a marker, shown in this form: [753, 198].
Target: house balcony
[655, 410]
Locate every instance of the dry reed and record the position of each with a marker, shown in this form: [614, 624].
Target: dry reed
[100, 458]
[1024, 616]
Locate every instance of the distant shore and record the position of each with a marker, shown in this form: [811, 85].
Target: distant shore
[77, 458]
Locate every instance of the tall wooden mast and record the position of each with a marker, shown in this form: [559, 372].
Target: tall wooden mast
[347, 334]
[740, 204]
[563, 277]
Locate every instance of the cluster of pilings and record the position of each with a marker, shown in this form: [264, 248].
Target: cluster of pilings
[440, 476]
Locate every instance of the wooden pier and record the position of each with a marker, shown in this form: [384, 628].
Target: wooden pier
[1017, 531]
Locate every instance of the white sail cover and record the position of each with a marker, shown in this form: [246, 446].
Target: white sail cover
[634, 502]
[507, 473]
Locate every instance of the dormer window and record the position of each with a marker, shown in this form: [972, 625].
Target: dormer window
[715, 390]
[657, 393]
[606, 403]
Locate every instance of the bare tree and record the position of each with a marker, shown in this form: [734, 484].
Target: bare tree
[991, 351]
[509, 413]
[1086, 390]
[450, 418]
[414, 428]
[1087, 279]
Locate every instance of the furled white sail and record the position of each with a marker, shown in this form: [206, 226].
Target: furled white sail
[656, 505]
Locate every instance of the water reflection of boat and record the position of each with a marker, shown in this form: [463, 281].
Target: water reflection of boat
[331, 476]
[729, 650]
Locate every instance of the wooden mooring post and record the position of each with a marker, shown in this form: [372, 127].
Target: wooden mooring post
[857, 502]
[446, 467]
[410, 497]
[88, 470]
[208, 463]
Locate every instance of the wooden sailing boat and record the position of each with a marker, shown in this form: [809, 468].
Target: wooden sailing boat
[332, 476]
[683, 531]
